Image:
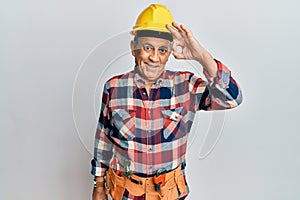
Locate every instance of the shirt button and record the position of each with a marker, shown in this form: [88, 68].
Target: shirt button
[150, 149]
[144, 93]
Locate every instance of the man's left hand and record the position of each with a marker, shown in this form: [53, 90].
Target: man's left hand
[183, 37]
[190, 48]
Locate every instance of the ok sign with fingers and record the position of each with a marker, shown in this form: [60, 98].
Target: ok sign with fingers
[190, 48]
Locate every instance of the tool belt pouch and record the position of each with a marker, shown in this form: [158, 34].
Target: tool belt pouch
[181, 184]
[115, 184]
[173, 188]
[133, 188]
[169, 191]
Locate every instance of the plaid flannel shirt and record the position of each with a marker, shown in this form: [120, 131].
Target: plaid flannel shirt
[150, 131]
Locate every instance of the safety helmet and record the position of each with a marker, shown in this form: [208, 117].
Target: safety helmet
[153, 18]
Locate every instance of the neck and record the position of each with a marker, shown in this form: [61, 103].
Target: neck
[148, 87]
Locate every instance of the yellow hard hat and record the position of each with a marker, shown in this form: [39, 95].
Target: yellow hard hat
[153, 18]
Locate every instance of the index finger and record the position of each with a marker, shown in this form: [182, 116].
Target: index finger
[172, 29]
[186, 30]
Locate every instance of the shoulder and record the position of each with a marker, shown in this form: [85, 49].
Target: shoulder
[121, 76]
[180, 77]
[119, 79]
[183, 75]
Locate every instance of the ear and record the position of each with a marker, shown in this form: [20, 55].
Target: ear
[132, 48]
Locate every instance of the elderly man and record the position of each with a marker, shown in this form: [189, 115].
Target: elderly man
[147, 113]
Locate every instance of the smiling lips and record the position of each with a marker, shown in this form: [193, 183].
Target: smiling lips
[152, 66]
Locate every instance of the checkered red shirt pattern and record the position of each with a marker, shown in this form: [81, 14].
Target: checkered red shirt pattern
[150, 131]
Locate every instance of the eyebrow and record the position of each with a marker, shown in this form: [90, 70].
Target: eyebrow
[165, 47]
[147, 44]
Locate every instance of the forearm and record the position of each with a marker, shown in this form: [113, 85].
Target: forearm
[102, 154]
[208, 62]
[102, 144]
[224, 91]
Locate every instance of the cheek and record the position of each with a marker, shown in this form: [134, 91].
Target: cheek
[141, 57]
[164, 59]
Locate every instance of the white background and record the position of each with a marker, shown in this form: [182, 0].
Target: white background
[44, 43]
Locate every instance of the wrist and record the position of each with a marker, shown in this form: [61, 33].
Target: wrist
[203, 56]
[99, 178]
[99, 189]
[99, 182]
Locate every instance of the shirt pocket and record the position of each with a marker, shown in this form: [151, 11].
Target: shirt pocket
[124, 121]
[174, 126]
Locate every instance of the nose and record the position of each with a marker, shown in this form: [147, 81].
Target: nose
[154, 57]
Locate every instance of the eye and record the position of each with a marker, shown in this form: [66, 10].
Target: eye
[148, 47]
[163, 50]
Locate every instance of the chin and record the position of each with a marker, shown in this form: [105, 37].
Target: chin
[152, 78]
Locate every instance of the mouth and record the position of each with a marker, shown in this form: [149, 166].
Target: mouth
[153, 66]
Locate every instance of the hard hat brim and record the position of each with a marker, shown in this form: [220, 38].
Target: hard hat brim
[156, 34]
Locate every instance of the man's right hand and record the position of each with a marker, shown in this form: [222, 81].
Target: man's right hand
[99, 194]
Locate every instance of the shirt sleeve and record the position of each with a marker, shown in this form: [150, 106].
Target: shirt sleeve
[217, 93]
[102, 144]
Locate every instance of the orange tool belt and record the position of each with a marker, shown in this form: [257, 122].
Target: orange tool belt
[172, 185]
